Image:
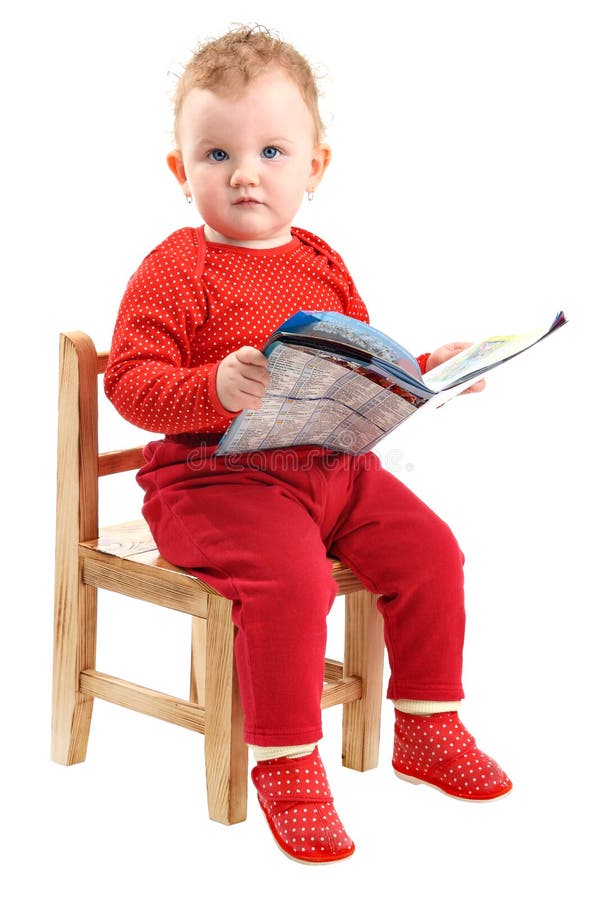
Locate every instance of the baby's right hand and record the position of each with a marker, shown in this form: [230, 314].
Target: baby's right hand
[241, 379]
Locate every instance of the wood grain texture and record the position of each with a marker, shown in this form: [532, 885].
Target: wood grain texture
[76, 520]
[363, 657]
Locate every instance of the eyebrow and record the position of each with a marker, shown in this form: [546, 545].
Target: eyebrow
[280, 139]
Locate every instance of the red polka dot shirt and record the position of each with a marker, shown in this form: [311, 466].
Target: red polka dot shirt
[192, 302]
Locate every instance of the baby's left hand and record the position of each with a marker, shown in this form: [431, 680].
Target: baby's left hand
[446, 352]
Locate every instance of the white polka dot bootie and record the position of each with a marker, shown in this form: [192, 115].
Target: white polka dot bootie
[438, 750]
[295, 798]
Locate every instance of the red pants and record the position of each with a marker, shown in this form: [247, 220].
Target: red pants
[260, 533]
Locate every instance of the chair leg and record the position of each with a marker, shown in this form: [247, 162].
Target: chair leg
[226, 753]
[74, 650]
[363, 656]
[198, 662]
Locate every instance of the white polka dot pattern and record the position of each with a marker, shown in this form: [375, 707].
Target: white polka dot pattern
[191, 303]
[438, 750]
[295, 798]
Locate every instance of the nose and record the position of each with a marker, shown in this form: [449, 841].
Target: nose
[244, 175]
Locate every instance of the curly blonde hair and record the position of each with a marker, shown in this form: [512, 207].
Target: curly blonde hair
[228, 63]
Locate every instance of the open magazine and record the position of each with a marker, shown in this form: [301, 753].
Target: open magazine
[341, 384]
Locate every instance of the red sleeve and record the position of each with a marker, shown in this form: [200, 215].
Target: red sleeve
[423, 360]
[150, 378]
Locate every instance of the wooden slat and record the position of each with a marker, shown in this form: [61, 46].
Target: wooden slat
[333, 670]
[343, 691]
[113, 461]
[346, 580]
[126, 540]
[172, 589]
[175, 709]
[101, 362]
[143, 699]
[154, 559]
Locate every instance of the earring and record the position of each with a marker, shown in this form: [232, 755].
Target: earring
[188, 198]
[310, 195]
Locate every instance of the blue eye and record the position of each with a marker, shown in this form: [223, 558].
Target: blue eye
[217, 155]
[271, 152]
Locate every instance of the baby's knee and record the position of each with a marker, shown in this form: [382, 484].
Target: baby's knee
[300, 593]
[448, 540]
[439, 543]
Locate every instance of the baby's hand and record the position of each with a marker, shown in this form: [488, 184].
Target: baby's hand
[447, 351]
[241, 379]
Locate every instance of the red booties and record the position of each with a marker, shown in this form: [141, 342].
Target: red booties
[438, 750]
[295, 798]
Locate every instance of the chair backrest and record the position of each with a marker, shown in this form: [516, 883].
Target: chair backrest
[79, 464]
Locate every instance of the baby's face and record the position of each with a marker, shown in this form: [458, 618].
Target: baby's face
[248, 159]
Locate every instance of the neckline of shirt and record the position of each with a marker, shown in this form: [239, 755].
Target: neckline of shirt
[280, 250]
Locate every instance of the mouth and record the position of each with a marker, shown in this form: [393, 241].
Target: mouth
[247, 201]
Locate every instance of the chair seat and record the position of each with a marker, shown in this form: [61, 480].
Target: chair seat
[133, 541]
[124, 559]
[161, 582]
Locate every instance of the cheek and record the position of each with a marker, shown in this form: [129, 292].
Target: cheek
[208, 191]
[206, 179]
[294, 184]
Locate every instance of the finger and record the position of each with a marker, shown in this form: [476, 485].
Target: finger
[252, 386]
[454, 349]
[256, 374]
[251, 356]
[250, 399]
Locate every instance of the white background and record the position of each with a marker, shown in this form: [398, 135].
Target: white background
[464, 195]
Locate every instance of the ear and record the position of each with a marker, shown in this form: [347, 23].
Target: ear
[175, 164]
[320, 160]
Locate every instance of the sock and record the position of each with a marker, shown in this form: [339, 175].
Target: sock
[426, 707]
[261, 754]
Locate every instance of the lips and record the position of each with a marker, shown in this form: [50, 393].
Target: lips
[243, 201]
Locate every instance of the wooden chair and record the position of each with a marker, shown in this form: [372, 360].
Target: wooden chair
[124, 559]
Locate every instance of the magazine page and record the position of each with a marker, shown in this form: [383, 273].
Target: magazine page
[378, 370]
[479, 358]
[314, 400]
[331, 330]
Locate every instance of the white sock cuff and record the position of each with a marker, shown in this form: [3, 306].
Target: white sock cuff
[264, 753]
[426, 707]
